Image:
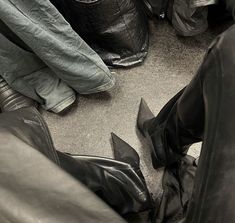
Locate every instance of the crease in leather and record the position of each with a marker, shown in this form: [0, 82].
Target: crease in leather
[116, 30]
[119, 184]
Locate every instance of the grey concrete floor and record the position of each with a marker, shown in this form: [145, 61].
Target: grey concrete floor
[169, 66]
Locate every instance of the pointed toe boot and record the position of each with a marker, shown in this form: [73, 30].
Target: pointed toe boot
[144, 115]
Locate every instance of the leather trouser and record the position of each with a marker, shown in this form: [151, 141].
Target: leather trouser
[33, 186]
[40, 184]
[204, 111]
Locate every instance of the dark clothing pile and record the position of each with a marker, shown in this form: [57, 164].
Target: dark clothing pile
[191, 17]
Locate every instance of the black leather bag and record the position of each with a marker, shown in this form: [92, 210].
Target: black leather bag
[116, 29]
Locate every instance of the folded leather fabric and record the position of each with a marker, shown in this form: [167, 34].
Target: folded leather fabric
[190, 18]
[40, 184]
[43, 58]
[187, 17]
[116, 30]
[177, 184]
[115, 182]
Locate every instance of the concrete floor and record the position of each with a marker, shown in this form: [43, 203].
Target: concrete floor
[170, 65]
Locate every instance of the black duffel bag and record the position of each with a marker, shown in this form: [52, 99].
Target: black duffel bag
[116, 29]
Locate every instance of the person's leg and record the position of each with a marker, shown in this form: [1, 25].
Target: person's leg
[51, 38]
[33, 188]
[119, 182]
[213, 197]
[168, 136]
[205, 111]
[26, 73]
[181, 122]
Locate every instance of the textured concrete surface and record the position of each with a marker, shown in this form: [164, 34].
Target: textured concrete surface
[170, 65]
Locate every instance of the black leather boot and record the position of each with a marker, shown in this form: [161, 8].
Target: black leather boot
[144, 116]
[119, 182]
[11, 100]
[153, 128]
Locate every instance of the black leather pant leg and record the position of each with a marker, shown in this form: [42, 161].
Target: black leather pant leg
[181, 122]
[213, 197]
[178, 125]
[205, 111]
